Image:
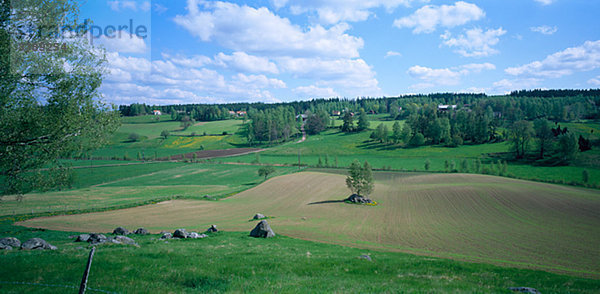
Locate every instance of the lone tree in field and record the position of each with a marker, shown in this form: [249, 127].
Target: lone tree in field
[266, 171]
[360, 179]
[50, 106]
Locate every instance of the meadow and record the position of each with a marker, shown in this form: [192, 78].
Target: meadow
[433, 231]
[475, 218]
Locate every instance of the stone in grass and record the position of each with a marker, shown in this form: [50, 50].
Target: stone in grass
[365, 257]
[525, 290]
[166, 235]
[37, 243]
[180, 233]
[5, 247]
[123, 240]
[262, 230]
[10, 242]
[141, 231]
[121, 231]
[259, 216]
[194, 235]
[212, 229]
[97, 239]
[83, 238]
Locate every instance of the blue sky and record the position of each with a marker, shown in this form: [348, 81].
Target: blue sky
[281, 50]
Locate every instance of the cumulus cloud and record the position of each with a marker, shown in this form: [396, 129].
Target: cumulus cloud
[129, 5]
[259, 31]
[354, 76]
[316, 92]
[576, 59]
[546, 30]
[180, 80]
[595, 81]
[475, 42]
[392, 54]
[509, 85]
[335, 11]
[124, 42]
[428, 18]
[430, 77]
[243, 62]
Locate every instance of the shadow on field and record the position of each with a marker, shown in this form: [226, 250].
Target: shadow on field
[326, 202]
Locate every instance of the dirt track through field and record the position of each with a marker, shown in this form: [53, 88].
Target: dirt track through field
[469, 217]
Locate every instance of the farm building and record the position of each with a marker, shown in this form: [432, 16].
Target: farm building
[157, 112]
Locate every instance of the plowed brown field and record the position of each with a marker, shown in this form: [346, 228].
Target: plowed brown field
[463, 216]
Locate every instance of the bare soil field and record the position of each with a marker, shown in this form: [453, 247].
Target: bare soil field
[461, 216]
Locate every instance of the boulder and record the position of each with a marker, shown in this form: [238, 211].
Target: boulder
[83, 238]
[262, 230]
[355, 198]
[180, 233]
[259, 216]
[123, 240]
[212, 229]
[194, 235]
[37, 243]
[10, 241]
[365, 257]
[141, 231]
[97, 239]
[121, 231]
[5, 247]
[524, 290]
[166, 235]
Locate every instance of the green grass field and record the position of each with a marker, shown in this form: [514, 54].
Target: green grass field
[466, 217]
[116, 186]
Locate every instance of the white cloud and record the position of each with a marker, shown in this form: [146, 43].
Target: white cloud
[243, 62]
[258, 82]
[595, 81]
[316, 92]
[335, 11]
[546, 30]
[428, 18]
[129, 5]
[566, 62]
[545, 2]
[180, 80]
[445, 76]
[124, 42]
[392, 54]
[354, 76]
[507, 86]
[475, 42]
[193, 61]
[259, 31]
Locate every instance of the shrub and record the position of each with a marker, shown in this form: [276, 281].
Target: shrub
[134, 137]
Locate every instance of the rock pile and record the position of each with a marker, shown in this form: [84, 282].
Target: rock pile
[11, 243]
[355, 198]
[182, 234]
[121, 231]
[141, 231]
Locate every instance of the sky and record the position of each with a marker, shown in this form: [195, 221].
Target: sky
[194, 51]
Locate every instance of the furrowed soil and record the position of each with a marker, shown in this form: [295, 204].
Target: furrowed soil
[461, 216]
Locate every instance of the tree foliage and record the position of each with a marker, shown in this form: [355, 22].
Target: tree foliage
[360, 178]
[521, 133]
[265, 171]
[49, 101]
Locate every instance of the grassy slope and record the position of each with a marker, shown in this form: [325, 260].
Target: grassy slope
[127, 185]
[347, 147]
[471, 217]
[234, 262]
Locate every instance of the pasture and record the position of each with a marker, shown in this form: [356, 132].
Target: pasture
[459, 216]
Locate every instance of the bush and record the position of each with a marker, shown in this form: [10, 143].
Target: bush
[417, 140]
[134, 137]
[165, 134]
